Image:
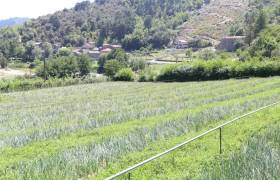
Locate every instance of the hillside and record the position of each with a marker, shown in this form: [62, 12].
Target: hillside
[213, 21]
[148, 22]
[12, 22]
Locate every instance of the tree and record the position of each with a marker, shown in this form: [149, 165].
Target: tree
[64, 52]
[84, 63]
[135, 40]
[148, 21]
[60, 67]
[47, 50]
[123, 23]
[82, 6]
[29, 54]
[261, 22]
[112, 67]
[3, 61]
[119, 55]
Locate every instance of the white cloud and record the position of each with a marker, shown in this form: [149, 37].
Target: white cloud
[32, 8]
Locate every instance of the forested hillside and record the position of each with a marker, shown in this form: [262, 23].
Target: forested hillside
[134, 23]
[140, 23]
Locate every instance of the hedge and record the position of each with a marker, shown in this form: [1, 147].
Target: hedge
[218, 70]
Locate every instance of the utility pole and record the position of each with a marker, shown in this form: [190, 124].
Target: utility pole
[45, 70]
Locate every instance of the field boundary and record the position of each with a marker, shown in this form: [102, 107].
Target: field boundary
[128, 170]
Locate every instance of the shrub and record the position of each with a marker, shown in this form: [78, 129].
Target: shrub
[124, 75]
[148, 74]
[112, 67]
[219, 69]
[60, 67]
[84, 63]
[65, 66]
[137, 64]
[117, 55]
[207, 54]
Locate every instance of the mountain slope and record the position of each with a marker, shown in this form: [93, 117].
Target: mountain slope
[213, 21]
[12, 22]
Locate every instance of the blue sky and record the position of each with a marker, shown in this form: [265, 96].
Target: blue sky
[32, 8]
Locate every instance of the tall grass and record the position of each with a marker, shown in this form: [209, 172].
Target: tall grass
[257, 159]
[21, 84]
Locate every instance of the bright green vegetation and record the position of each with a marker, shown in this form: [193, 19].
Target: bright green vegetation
[22, 84]
[95, 130]
[257, 159]
[219, 69]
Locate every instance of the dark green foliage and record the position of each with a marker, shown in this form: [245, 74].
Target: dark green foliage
[103, 20]
[64, 52]
[10, 44]
[199, 43]
[111, 67]
[66, 66]
[82, 6]
[124, 75]
[267, 42]
[3, 61]
[118, 55]
[84, 64]
[219, 69]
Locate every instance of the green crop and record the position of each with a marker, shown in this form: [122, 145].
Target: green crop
[87, 130]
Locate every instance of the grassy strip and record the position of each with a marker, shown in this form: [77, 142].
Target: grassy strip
[38, 83]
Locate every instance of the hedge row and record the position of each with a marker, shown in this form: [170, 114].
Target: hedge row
[218, 70]
[28, 84]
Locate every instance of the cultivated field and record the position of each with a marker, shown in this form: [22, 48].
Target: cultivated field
[93, 131]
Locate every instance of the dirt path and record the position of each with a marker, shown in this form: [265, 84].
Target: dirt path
[10, 73]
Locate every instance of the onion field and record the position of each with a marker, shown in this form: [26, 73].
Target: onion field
[93, 131]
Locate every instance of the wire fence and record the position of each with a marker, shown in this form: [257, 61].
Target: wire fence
[129, 170]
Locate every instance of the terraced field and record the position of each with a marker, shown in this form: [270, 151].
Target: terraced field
[212, 21]
[93, 131]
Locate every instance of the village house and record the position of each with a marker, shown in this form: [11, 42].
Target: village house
[229, 43]
[94, 52]
[181, 44]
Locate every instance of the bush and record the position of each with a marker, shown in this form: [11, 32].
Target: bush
[112, 67]
[207, 54]
[137, 64]
[148, 74]
[60, 67]
[124, 75]
[117, 55]
[84, 63]
[65, 66]
[219, 69]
